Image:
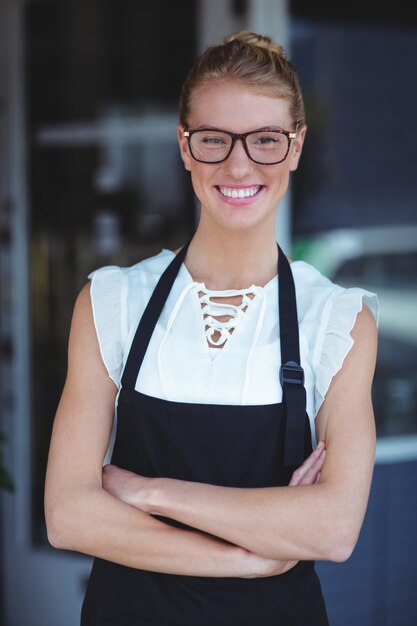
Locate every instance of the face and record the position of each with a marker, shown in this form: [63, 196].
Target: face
[229, 105]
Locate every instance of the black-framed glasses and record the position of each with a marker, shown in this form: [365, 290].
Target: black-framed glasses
[265, 147]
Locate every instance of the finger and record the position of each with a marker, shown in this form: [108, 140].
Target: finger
[312, 459]
[308, 464]
[110, 469]
[310, 476]
[306, 473]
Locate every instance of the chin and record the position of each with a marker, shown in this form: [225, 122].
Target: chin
[243, 222]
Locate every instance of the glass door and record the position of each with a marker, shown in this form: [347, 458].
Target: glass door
[97, 180]
[92, 177]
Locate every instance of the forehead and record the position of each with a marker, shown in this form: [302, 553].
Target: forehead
[238, 107]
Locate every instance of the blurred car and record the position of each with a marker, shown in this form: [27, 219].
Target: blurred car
[382, 260]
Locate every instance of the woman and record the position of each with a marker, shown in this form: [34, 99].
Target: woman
[202, 516]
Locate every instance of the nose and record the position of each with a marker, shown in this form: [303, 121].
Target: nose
[238, 164]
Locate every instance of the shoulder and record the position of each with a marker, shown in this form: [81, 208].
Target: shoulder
[320, 298]
[365, 324]
[111, 285]
[333, 319]
[82, 316]
[150, 267]
[116, 297]
[365, 340]
[83, 350]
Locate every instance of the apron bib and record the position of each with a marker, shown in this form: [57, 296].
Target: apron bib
[228, 445]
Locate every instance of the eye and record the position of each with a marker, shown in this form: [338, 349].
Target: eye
[267, 139]
[215, 140]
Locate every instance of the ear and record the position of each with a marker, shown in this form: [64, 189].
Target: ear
[296, 148]
[184, 149]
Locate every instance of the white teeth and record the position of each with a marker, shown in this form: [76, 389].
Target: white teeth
[239, 193]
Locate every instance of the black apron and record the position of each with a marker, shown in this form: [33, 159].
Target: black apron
[229, 445]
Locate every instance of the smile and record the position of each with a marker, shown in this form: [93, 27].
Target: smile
[243, 192]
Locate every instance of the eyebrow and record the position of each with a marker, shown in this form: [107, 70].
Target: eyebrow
[263, 128]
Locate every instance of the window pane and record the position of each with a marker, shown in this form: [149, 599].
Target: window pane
[107, 181]
[354, 197]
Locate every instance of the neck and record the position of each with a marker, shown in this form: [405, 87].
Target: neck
[232, 260]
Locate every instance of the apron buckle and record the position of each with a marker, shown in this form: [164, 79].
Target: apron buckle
[291, 372]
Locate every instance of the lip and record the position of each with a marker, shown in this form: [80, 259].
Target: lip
[240, 201]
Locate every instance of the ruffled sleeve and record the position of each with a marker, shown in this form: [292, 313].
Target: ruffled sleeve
[334, 340]
[108, 300]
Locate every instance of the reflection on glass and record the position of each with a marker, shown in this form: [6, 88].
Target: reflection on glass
[354, 214]
[107, 184]
[382, 260]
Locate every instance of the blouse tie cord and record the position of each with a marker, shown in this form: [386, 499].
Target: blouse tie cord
[210, 312]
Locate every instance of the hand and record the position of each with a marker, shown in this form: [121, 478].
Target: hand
[265, 568]
[136, 490]
[126, 486]
[309, 472]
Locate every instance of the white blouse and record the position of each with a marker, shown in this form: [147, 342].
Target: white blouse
[179, 364]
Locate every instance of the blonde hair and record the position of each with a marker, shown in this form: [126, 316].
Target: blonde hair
[252, 59]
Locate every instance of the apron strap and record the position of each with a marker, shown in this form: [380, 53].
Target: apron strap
[149, 318]
[291, 373]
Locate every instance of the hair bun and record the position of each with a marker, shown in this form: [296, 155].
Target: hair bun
[248, 37]
[253, 60]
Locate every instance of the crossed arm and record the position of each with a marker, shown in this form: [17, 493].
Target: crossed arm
[239, 532]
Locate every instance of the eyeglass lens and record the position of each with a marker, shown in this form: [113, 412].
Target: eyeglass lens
[263, 146]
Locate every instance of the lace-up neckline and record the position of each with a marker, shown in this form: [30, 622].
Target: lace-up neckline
[221, 318]
[217, 332]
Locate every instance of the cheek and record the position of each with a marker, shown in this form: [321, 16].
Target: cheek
[200, 177]
[281, 181]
